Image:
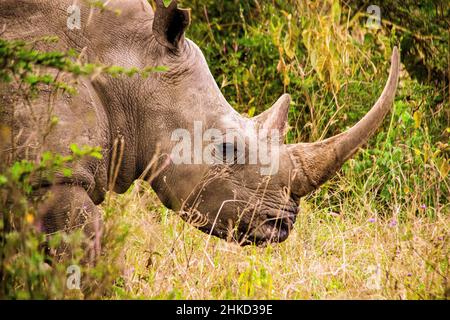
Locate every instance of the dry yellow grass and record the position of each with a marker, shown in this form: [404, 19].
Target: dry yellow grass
[351, 255]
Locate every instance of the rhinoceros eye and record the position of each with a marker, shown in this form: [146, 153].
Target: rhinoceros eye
[227, 152]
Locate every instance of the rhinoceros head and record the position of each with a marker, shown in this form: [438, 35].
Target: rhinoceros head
[229, 175]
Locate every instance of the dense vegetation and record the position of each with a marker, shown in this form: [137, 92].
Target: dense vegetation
[379, 229]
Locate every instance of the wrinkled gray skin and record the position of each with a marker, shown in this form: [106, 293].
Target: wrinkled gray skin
[236, 200]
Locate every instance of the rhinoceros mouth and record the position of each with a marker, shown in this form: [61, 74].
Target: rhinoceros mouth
[274, 230]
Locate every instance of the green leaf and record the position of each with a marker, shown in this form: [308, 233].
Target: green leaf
[54, 120]
[251, 112]
[147, 70]
[46, 157]
[50, 39]
[96, 154]
[67, 172]
[114, 71]
[75, 149]
[3, 180]
[336, 11]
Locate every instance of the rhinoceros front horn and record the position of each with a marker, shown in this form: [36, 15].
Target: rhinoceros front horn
[315, 163]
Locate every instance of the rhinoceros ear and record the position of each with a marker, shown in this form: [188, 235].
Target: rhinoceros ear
[170, 23]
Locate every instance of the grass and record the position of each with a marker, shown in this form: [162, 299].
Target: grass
[353, 254]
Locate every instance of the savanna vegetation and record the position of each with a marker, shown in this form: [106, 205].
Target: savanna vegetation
[380, 229]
